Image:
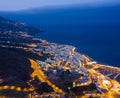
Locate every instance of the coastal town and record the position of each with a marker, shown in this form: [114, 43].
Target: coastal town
[68, 72]
[53, 71]
[80, 70]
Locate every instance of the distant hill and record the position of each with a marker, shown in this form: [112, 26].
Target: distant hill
[67, 15]
[9, 25]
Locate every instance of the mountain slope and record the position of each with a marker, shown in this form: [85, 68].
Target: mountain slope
[15, 68]
[9, 25]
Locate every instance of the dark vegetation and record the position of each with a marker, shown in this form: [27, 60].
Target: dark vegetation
[15, 69]
[15, 63]
[44, 87]
[13, 94]
[41, 87]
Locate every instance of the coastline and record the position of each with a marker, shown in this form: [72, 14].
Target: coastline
[86, 56]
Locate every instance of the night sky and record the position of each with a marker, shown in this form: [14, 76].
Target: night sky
[12, 5]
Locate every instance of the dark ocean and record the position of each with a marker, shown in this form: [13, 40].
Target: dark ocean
[95, 31]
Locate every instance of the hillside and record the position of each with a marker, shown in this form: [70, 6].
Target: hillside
[9, 25]
[15, 68]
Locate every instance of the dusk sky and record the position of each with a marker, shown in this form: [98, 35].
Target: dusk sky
[8, 5]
